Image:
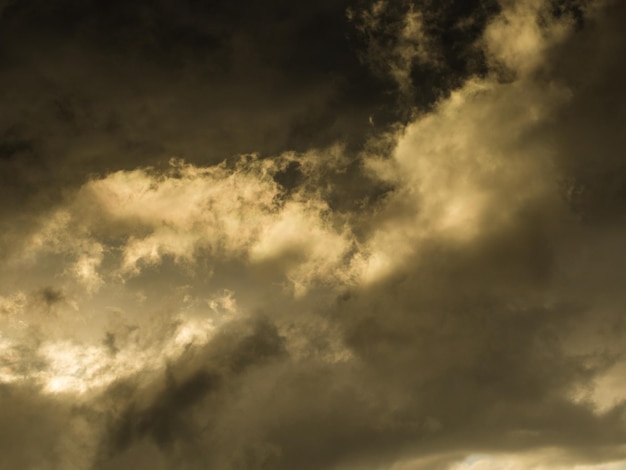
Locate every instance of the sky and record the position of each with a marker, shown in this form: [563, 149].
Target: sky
[342, 234]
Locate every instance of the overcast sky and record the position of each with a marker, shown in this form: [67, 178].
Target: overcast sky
[340, 234]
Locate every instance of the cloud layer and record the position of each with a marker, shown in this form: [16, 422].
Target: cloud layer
[442, 290]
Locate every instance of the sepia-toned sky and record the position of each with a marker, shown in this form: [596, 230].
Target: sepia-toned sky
[342, 234]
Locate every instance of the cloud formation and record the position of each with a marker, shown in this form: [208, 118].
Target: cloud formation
[446, 294]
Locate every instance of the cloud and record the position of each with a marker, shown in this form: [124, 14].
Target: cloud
[45, 432]
[411, 42]
[449, 297]
[186, 212]
[426, 50]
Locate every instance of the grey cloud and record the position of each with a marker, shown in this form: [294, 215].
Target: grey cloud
[493, 323]
[43, 432]
[426, 49]
[164, 422]
[195, 394]
[51, 296]
[589, 129]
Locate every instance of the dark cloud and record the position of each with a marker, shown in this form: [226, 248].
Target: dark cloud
[434, 271]
[40, 431]
[91, 84]
[88, 87]
[51, 296]
[165, 413]
[434, 50]
[164, 422]
[591, 152]
[213, 79]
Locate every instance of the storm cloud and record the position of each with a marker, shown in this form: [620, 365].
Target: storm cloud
[341, 235]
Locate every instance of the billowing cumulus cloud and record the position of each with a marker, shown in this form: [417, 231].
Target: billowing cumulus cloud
[386, 235]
